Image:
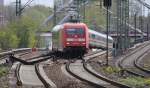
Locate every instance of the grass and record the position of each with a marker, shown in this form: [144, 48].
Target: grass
[132, 81]
[136, 82]
[111, 70]
[3, 71]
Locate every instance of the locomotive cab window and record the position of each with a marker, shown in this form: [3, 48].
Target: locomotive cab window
[80, 31]
[93, 36]
[75, 31]
[70, 31]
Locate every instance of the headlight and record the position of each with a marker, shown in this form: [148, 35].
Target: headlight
[68, 43]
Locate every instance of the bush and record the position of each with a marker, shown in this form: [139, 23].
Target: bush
[111, 70]
[135, 82]
[3, 71]
[20, 33]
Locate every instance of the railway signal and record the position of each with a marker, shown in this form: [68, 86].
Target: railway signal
[107, 4]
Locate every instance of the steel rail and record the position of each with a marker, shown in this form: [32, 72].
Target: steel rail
[125, 57]
[29, 62]
[137, 65]
[112, 82]
[82, 79]
[19, 82]
[8, 54]
[46, 84]
[36, 62]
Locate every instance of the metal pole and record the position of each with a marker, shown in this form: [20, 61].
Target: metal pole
[120, 32]
[126, 21]
[128, 39]
[148, 25]
[16, 7]
[135, 27]
[54, 20]
[107, 36]
[147, 32]
[78, 10]
[19, 9]
[84, 10]
[142, 36]
[118, 26]
[122, 26]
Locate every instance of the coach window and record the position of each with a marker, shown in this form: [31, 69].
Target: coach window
[93, 36]
[110, 41]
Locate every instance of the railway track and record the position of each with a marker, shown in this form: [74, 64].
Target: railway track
[29, 75]
[5, 56]
[129, 62]
[32, 60]
[138, 64]
[77, 70]
[83, 71]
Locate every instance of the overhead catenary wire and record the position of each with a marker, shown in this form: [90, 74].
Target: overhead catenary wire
[129, 25]
[144, 3]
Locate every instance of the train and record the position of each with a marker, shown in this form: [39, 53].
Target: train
[98, 40]
[77, 38]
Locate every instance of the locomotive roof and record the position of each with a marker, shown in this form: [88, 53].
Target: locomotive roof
[75, 24]
[58, 27]
[100, 34]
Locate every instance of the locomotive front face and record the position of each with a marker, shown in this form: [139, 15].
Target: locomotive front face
[75, 37]
[71, 37]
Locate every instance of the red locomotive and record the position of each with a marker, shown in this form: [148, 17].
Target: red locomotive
[71, 37]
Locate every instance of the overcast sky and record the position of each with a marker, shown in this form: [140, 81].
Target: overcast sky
[48, 3]
[148, 1]
[43, 2]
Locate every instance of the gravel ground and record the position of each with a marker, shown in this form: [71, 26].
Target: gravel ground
[61, 80]
[4, 82]
[98, 65]
[145, 62]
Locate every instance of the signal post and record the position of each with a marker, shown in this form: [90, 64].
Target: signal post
[107, 4]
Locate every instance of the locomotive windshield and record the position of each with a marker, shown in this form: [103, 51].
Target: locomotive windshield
[75, 31]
